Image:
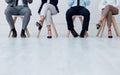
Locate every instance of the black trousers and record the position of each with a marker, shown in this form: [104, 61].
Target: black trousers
[78, 11]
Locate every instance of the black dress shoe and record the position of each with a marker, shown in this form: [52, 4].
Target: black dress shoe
[14, 33]
[23, 34]
[97, 26]
[38, 25]
[110, 36]
[82, 33]
[74, 33]
[49, 37]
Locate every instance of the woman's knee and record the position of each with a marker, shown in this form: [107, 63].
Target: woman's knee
[108, 7]
[45, 5]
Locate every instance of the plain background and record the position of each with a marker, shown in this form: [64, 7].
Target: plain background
[59, 19]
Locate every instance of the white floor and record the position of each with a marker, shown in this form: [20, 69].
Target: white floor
[60, 56]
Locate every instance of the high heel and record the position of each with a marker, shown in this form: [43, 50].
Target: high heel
[39, 26]
[110, 34]
[49, 34]
[97, 26]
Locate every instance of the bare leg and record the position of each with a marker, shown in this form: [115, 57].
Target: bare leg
[42, 18]
[40, 23]
[49, 31]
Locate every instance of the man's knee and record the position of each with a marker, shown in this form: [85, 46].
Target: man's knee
[69, 13]
[27, 11]
[7, 10]
[87, 13]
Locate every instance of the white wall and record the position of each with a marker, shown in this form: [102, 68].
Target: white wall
[58, 19]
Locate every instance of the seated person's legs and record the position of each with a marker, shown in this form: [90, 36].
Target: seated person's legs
[8, 13]
[70, 12]
[105, 12]
[86, 15]
[26, 12]
[48, 23]
[109, 21]
[46, 7]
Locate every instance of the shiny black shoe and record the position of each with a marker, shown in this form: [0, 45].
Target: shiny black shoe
[49, 37]
[38, 25]
[14, 33]
[23, 34]
[97, 26]
[82, 34]
[110, 34]
[74, 33]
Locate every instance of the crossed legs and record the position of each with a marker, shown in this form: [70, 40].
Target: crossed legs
[81, 11]
[47, 11]
[107, 13]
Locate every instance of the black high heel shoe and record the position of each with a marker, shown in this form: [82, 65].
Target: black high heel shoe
[110, 34]
[97, 26]
[39, 26]
[49, 34]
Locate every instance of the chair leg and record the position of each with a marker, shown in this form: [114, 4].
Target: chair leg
[27, 32]
[86, 34]
[81, 20]
[68, 34]
[73, 19]
[115, 27]
[53, 26]
[101, 29]
[15, 18]
[9, 33]
[38, 33]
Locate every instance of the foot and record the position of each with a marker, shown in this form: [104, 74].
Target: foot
[110, 34]
[82, 34]
[14, 33]
[74, 33]
[97, 26]
[38, 25]
[23, 34]
[49, 34]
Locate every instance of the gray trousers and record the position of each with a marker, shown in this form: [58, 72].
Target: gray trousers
[19, 10]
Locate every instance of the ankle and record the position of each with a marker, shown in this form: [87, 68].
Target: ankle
[13, 29]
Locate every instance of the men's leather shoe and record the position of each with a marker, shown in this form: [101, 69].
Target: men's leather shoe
[82, 33]
[23, 34]
[74, 33]
[14, 33]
